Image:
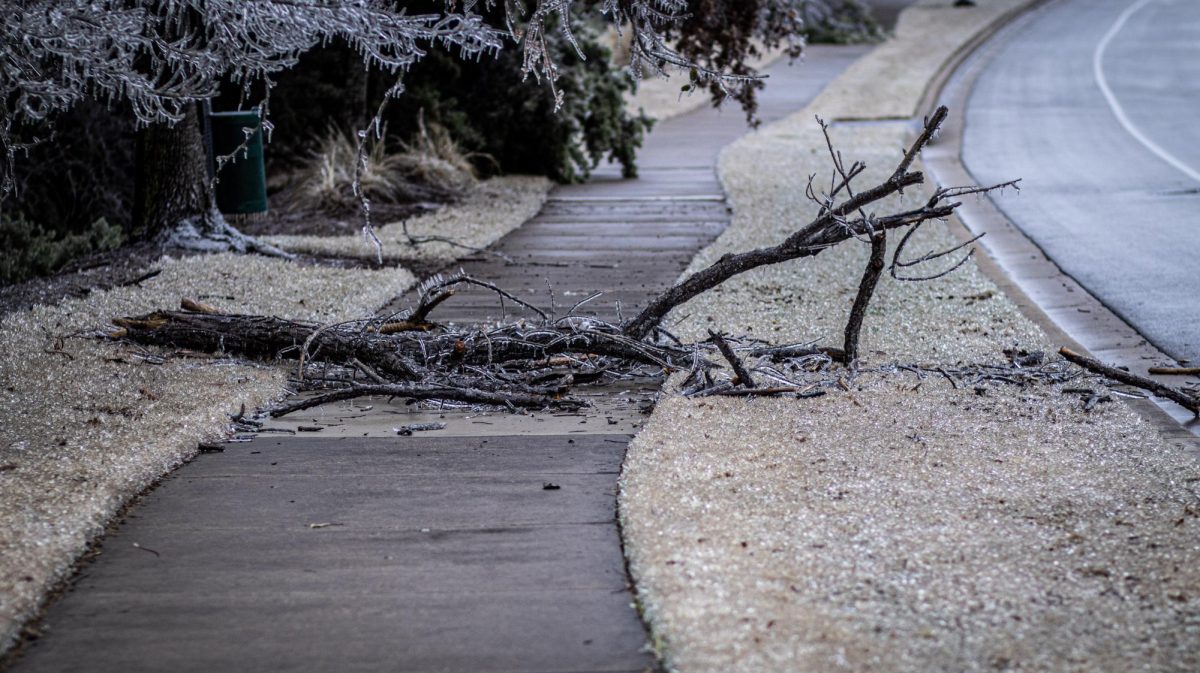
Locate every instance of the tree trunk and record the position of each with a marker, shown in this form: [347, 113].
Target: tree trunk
[172, 180]
[174, 201]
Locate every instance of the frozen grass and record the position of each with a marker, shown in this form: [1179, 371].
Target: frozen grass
[429, 167]
[895, 530]
[895, 526]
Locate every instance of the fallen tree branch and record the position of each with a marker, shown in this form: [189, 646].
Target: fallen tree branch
[265, 338]
[821, 233]
[435, 290]
[829, 228]
[1189, 402]
[530, 364]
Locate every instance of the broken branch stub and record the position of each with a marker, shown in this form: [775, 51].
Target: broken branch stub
[744, 378]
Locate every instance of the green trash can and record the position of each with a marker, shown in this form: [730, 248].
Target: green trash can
[241, 181]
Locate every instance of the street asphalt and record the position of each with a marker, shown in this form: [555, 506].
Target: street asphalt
[1094, 107]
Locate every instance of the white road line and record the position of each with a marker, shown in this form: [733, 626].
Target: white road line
[1115, 105]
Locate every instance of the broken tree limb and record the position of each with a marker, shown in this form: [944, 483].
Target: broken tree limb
[265, 338]
[531, 363]
[743, 375]
[822, 233]
[1189, 402]
[829, 228]
[394, 354]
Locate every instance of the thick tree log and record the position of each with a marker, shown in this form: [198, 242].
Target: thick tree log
[267, 338]
[400, 355]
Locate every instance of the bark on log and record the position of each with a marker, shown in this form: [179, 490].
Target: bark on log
[396, 355]
[265, 338]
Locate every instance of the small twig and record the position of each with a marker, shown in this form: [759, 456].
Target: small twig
[421, 312]
[942, 371]
[1189, 402]
[583, 301]
[407, 430]
[414, 241]
[897, 264]
[550, 291]
[145, 549]
[142, 278]
[198, 307]
[1175, 371]
[463, 278]
[366, 369]
[805, 392]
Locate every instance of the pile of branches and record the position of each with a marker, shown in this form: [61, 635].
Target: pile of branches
[536, 362]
